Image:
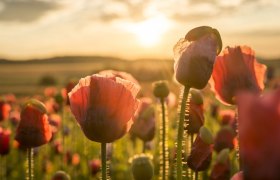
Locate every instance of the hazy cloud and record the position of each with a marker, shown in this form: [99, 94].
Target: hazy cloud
[25, 10]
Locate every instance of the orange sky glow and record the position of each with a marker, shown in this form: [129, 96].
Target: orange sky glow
[131, 29]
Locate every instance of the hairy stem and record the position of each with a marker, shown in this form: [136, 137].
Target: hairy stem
[180, 133]
[29, 169]
[164, 153]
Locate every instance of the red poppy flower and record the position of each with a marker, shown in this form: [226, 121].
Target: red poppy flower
[194, 56]
[259, 135]
[196, 117]
[94, 166]
[144, 123]
[237, 176]
[71, 84]
[5, 109]
[104, 106]
[236, 69]
[227, 117]
[224, 139]
[4, 141]
[33, 129]
[120, 74]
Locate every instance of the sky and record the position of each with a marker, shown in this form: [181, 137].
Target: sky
[131, 29]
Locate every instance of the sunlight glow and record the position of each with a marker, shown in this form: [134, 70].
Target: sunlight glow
[150, 31]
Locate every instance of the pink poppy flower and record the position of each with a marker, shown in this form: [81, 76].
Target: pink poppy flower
[33, 129]
[236, 69]
[194, 56]
[4, 141]
[144, 123]
[104, 106]
[259, 135]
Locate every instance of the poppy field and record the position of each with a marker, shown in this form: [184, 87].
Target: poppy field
[211, 113]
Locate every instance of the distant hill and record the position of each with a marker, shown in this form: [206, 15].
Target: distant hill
[62, 59]
[107, 59]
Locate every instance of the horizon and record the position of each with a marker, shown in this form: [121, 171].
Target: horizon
[131, 29]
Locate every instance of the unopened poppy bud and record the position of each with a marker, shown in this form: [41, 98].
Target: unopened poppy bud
[196, 96]
[195, 55]
[201, 31]
[161, 89]
[200, 156]
[206, 135]
[221, 168]
[142, 167]
[61, 175]
[223, 156]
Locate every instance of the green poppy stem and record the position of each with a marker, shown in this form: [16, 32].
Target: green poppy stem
[144, 147]
[164, 153]
[29, 164]
[181, 133]
[103, 161]
[196, 175]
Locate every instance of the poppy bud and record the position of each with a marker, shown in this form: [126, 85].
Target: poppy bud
[195, 55]
[206, 135]
[221, 169]
[161, 89]
[34, 129]
[196, 117]
[201, 152]
[142, 167]
[61, 175]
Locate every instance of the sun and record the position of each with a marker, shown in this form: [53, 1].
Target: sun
[149, 32]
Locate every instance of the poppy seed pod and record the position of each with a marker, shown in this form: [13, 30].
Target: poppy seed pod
[195, 55]
[161, 89]
[235, 70]
[33, 129]
[104, 106]
[142, 167]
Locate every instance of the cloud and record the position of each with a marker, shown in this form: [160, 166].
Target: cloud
[261, 33]
[25, 11]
